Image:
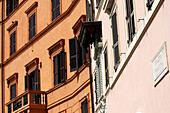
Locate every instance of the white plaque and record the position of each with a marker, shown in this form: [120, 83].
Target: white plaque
[160, 64]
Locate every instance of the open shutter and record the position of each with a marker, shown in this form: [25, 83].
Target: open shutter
[27, 83]
[73, 54]
[115, 40]
[37, 79]
[62, 66]
[56, 69]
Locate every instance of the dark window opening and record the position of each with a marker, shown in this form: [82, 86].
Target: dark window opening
[84, 106]
[13, 43]
[77, 54]
[130, 19]
[59, 68]
[106, 67]
[149, 4]
[55, 9]
[10, 6]
[9, 108]
[32, 26]
[13, 91]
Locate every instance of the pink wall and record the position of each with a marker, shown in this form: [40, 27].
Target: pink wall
[134, 91]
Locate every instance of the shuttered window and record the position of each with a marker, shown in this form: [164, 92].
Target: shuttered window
[149, 4]
[10, 6]
[130, 18]
[115, 41]
[13, 91]
[13, 43]
[73, 54]
[59, 68]
[84, 106]
[32, 26]
[32, 80]
[77, 54]
[55, 9]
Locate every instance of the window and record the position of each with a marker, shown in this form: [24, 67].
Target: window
[32, 26]
[59, 68]
[115, 41]
[106, 67]
[9, 108]
[130, 18]
[55, 9]
[32, 80]
[10, 6]
[84, 106]
[13, 43]
[149, 4]
[13, 91]
[77, 54]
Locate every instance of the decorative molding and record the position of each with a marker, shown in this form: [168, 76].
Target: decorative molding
[14, 24]
[31, 8]
[34, 62]
[78, 24]
[58, 44]
[11, 78]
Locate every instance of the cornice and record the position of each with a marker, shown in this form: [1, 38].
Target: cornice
[14, 24]
[31, 8]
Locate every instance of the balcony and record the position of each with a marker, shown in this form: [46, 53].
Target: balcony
[29, 101]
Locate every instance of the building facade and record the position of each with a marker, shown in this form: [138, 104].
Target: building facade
[44, 68]
[135, 40]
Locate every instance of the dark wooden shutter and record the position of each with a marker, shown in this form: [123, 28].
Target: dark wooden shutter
[37, 79]
[27, 82]
[11, 40]
[12, 43]
[62, 66]
[15, 3]
[56, 69]
[32, 26]
[73, 54]
[115, 40]
[13, 91]
[7, 7]
[84, 106]
[55, 9]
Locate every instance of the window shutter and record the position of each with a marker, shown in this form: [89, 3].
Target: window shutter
[56, 69]
[115, 39]
[34, 25]
[84, 106]
[58, 8]
[11, 44]
[15, 3]
[55, 9]
[73, 54]
[27, 83]
[13, 91]
[7, 7]
[30, 26]
[37, 79]
[62, 66]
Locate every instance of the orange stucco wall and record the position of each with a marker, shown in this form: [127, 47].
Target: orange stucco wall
[46, 37]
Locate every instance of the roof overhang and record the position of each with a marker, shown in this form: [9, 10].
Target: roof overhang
[90, 31]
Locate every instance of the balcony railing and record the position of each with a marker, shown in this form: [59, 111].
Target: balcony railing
[27, 99]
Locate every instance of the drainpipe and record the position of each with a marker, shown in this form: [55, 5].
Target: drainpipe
[88, 18]
[2, 97]
[91, 78]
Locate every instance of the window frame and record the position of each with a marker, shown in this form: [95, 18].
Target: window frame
[11, 8]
